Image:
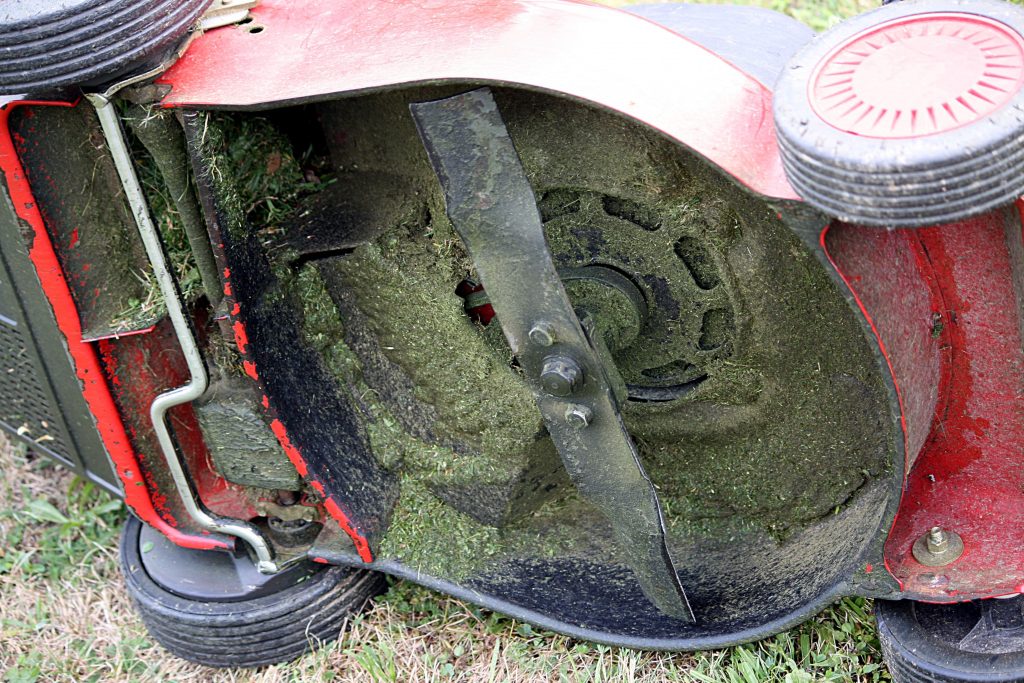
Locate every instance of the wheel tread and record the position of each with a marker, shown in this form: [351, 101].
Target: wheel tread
[265, 630]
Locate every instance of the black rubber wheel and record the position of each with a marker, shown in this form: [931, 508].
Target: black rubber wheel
[973, 641]
[269, 624]
[908, 115]
[49, 44]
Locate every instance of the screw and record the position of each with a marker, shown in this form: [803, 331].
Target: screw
[578, 416]
[560, 375]
[938, 540]
[542, 334]
[938, 547]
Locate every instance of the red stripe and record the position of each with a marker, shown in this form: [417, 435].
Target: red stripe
[82, 354]
[278, 428]
[362, 546]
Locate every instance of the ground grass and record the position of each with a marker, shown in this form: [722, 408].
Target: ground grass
[64, 615]
[818, 14]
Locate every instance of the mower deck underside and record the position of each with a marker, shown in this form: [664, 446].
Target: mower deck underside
[470, 491]
[780, 375]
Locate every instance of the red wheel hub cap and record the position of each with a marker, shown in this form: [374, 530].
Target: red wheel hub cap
[918, 76]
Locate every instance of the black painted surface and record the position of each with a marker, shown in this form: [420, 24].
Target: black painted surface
[601, 602]
[742, 589]
[80, 198]
[41, 400]
[474, 157]
[320, 422]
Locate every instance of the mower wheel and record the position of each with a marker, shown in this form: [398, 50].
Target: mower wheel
[50, 44]
[214, 609]
[972, 641]
[908, 115]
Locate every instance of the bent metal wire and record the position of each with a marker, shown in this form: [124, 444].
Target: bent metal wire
[198, 381]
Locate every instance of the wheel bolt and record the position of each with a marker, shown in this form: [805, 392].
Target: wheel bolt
[578, 416]
[560, 375]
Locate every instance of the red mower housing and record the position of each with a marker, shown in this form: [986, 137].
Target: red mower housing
[486, 297]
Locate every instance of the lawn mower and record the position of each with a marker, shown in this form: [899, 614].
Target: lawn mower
[660, 328]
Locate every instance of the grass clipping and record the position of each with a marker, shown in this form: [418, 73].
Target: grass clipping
[425, 533]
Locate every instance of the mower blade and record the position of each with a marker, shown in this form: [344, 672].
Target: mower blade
[491, 204]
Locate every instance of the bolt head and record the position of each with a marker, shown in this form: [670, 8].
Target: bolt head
[560, 375]
[578, 416]
[938, 547]
[542, 334]
[938, 540]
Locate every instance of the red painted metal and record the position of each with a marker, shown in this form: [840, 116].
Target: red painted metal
[969, 477]
[83, 355]
[890, 276]
[301, 51]
[961, 344]
[139, 368]
[483, 313]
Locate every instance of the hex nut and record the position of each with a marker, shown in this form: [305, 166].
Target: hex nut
[560, 375]
[938, 547]
[578, 416]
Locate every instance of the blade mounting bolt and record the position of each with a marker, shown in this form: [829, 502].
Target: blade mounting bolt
[542, 334]
[560, 375]
[578, 416]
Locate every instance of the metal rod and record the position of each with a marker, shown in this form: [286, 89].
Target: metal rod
[196, 386]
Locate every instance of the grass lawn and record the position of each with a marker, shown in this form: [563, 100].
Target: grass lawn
[64, 615]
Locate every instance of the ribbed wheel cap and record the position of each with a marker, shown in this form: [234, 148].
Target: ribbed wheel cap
[919, 76]
[909, 115]
[51, 44]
